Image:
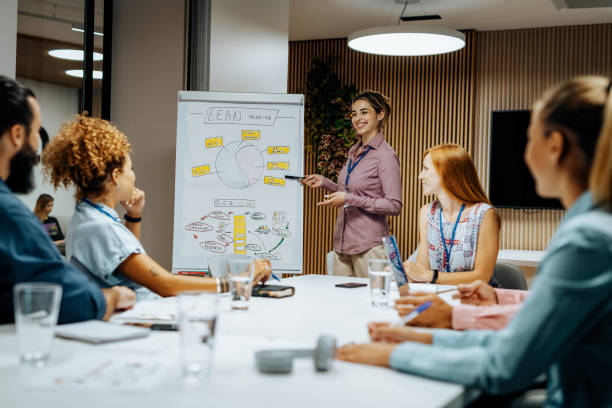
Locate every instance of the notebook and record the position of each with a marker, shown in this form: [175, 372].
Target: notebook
[96, 332]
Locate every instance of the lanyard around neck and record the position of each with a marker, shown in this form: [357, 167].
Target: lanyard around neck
[447, 251]
[99, 208]
[352, 166]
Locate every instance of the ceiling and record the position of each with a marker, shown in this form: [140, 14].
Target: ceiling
[43, 25]
[51, 20]
[318, 19]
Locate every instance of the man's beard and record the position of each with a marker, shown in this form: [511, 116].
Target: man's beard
[21, 176]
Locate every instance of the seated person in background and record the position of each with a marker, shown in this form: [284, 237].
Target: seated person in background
[565, 325]
[459, 232]
[44, 206]
[93, 155]
[26, 252]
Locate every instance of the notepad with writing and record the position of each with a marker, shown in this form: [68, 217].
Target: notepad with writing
[273, 291]
[95, 331]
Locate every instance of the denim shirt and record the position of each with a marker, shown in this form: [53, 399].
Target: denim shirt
[27, 254]
[565, 325]
[97, 243]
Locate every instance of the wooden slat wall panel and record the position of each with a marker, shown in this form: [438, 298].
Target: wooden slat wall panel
[432, 100]
[513, 69]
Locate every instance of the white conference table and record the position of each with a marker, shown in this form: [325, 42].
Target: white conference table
[316, 308]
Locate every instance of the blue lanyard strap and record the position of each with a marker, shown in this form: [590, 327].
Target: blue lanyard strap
[447, 251]
[99, 208]
[352, 166]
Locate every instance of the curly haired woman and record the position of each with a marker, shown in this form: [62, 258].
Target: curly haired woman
[94, 156]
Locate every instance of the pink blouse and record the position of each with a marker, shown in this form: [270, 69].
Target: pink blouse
[495, 317]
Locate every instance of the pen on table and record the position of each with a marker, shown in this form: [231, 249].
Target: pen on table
[447, 290]
[420, 309]
[273, 275]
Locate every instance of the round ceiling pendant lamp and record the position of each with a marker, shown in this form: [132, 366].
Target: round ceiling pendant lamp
[405, 41]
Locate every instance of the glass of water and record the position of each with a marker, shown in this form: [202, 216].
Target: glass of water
[379, 272]
[36, 308]
[197, 321]
[241, 272]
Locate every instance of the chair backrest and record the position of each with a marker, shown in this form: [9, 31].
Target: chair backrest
[330, 262]
[510, 276]
[217, 265]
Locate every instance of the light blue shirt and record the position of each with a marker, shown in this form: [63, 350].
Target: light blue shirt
[97, 243]
[565, 326]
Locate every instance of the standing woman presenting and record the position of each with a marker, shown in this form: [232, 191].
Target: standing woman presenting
[369, 188]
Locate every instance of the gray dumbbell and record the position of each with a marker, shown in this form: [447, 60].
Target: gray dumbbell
[281, 361]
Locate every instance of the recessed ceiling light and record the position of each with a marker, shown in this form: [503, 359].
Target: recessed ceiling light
[401, 40]
[78, 73]
[73, 55]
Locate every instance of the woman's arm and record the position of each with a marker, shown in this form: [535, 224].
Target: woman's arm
[390, 203]
[487, 248]
[318, 181]
[145, 271]
[423, 249]
[134, 209]
[134, 227]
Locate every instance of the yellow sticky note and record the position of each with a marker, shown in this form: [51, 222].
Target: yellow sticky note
[250, 134]
[278, 165]
[214, 142]
[274, 181]
[200, 170]
[239, 234]
[278, 149]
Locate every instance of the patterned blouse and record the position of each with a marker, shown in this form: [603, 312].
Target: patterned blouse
[463, 253]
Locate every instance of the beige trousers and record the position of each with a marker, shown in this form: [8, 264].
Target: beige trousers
[357, 265]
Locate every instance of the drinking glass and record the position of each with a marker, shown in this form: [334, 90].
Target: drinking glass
[241, 272]
[197, 320]
[379, 272]
[36, 309]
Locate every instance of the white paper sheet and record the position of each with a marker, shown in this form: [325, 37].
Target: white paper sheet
[105, 372]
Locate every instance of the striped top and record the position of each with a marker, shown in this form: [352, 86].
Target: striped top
[463, 253]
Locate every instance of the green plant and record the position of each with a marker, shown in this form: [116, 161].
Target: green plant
[327, 122]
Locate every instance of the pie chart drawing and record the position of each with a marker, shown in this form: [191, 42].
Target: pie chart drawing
[239, 165]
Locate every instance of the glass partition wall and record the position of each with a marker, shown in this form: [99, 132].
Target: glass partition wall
[63, 55]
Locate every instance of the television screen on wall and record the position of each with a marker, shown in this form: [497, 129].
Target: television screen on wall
[510, 183]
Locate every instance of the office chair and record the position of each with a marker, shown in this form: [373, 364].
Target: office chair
[510, 276]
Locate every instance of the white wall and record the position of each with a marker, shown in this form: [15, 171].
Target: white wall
[249, 53]
[8, 37]
[148, 53]
[249, 47]
[58, 104]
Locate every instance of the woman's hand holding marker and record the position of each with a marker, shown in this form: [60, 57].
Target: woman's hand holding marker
[312, 180]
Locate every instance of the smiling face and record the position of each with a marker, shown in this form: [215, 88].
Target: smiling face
[364, 117]
[430, 179]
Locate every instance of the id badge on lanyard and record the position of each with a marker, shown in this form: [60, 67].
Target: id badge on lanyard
[350, 169]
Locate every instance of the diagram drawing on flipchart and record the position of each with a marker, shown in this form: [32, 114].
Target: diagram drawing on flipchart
[231, 196]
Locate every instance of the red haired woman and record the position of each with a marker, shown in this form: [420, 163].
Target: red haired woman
[459, 231]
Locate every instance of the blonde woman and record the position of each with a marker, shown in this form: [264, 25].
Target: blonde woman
[565, 325]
